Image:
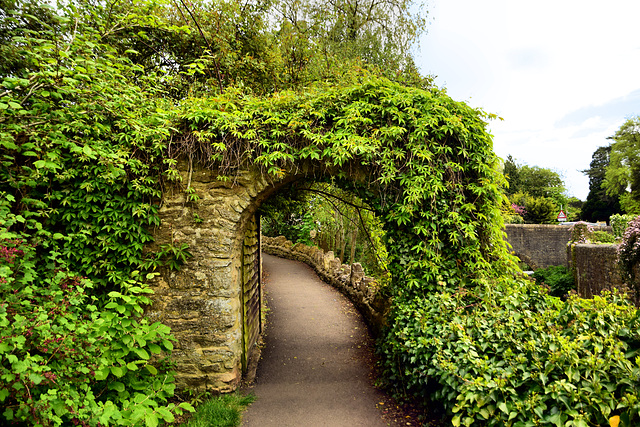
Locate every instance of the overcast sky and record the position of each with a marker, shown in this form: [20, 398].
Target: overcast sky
[563, 74]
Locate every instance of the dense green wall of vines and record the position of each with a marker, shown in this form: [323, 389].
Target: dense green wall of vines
[432, 173]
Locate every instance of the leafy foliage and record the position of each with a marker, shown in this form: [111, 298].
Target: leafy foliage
[623, 171]
[82, 130]
[533, 180]
[536, 210]
[334, 219]
[510, 355]
[558, 279]
[62, 358]
[619, 224]
[600, 236]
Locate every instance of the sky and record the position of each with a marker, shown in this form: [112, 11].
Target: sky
[562, 74]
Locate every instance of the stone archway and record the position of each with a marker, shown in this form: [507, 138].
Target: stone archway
[429, 170]
[212, 304]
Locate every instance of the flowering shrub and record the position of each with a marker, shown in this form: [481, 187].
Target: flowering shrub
[520, 210]
[629, 252]
[63, 360]
[619, 223]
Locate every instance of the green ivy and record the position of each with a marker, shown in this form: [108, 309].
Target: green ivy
[83, 132]
[63, 359]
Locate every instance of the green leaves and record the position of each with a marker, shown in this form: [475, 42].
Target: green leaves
[519, 356]
[57, 347]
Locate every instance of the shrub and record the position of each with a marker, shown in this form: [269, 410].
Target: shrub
[629, 251]
[65, 360]
[599, 236]
[619, 223]
[558, 279]
[511, 355]
[541, 210]
[513, 219]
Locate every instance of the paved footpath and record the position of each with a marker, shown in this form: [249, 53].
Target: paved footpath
[312, 372]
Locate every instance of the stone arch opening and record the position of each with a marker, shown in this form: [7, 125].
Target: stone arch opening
[213, 303]
[421, 160]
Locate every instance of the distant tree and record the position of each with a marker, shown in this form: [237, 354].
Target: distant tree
[599, 205]
[512, 175]
[534, 180]
[536, 189]
[542, 182]
[622, 177]
[325, 40]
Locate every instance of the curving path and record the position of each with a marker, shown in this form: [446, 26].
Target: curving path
[314, 369]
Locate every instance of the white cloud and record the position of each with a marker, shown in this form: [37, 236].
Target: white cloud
[562, 73]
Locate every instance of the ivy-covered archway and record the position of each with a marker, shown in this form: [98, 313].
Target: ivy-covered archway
[422, 161]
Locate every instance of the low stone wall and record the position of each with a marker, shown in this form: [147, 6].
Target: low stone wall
[539, 245]
[350, 280]
[595, 269]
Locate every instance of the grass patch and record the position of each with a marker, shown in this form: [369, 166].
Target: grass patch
[224, 410]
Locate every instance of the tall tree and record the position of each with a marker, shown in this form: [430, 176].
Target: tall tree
[534, 180]
[599, 206]
[512, 175]
[622, 177]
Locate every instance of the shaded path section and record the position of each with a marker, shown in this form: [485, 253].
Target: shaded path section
[314, 369]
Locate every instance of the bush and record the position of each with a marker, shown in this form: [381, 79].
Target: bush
[513, 219]
[541, 210]
[511, 355]
[599, 236]
[63, 359]
[558, 279]
[619, 223]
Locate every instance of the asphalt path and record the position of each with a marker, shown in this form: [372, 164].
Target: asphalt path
[314, 369]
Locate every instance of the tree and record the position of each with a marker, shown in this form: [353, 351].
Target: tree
[540, 191]
[599, 205]
[512, 174]
[533, 180]
[622, 176]
[542, 182]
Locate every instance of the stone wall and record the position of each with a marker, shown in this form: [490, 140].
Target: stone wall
[595, 269]
[539, 245]
[203, 302]
[350, 280]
